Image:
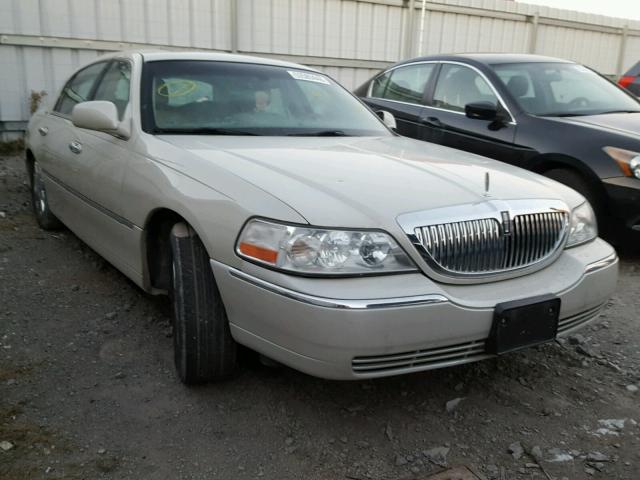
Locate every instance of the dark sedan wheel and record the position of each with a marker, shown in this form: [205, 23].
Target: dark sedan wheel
[203, 347]
[45, 218]
[579, 184]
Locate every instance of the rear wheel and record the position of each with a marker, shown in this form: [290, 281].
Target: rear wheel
[204, 349]
[44, 216]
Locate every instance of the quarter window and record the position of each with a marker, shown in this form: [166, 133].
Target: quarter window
[79, 88]
[458, 86]
[114, 86]
[404, 84]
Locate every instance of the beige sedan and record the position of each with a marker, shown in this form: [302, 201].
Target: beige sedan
[280, 213]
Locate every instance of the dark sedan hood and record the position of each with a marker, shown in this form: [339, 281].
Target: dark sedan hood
[623, 123]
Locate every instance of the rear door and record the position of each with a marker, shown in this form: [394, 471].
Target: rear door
[401, 91]
[444, 121]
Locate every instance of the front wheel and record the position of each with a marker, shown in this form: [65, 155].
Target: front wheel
[44, 216]
[204, 349]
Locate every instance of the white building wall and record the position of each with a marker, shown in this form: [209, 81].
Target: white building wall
[43, 41]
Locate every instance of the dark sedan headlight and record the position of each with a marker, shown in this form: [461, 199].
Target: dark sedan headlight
[318, 251]
[627, 160]
[583, 227]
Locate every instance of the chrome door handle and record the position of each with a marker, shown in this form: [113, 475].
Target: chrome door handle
[43, 131]
[75, 147]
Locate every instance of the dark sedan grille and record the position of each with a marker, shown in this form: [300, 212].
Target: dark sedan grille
[489, 246]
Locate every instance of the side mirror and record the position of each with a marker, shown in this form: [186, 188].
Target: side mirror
[388, 119]
[481, 111]
[98, 115]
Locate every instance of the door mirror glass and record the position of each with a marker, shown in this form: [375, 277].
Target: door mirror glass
[481, 111]
[97, 115]
[388, 119]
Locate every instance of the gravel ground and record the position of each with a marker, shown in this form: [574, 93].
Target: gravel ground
[88, 390]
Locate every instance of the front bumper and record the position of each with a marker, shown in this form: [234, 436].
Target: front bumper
[368, 327]
[624, 200]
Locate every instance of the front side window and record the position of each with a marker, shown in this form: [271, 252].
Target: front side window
[236, 98]
[458, 86]
[79, 88]
[562, 89]
[115, 85]
[404, 84]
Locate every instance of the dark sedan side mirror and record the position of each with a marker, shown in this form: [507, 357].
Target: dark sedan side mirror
[481, 111]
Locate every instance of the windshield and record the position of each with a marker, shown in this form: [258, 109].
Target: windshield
[562, 89]
[225, 98]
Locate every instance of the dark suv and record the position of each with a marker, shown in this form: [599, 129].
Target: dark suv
[551, 116]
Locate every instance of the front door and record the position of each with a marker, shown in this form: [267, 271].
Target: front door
[444, 120]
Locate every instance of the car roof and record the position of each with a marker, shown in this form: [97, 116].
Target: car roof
[490, 58]
[159, 55]
[153, 55]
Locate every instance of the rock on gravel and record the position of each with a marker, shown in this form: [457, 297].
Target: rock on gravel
[597, 457]
[6, 446]
[453, 404]
[437, 455]
[516, 450]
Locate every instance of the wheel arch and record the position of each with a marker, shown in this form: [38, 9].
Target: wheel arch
[157, 248]
[29, 160]
[550, 161]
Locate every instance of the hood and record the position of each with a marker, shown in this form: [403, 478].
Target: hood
[622, 123]
[364, 181]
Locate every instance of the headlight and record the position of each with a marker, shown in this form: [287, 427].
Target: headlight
[628, 161]
[583, 226]
[318, 251]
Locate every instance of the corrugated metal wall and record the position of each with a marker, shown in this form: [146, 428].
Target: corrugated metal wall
[43, 41]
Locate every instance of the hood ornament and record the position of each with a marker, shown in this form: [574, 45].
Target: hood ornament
[486, 184]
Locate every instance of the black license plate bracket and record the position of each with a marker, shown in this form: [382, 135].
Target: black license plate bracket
[524, 323]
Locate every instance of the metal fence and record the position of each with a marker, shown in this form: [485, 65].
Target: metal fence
[43, 41]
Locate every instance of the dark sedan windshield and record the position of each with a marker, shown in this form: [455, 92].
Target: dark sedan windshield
[225, 98]
[563, 89]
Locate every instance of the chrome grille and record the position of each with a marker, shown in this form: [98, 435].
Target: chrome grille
[489, 246]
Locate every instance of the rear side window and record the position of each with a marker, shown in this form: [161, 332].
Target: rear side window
[79, 88]
[404, 84]
[458, 86]
[115, 85]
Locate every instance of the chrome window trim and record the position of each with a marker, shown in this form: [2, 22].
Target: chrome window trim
[491, 86]
[489, 209]
[370, 87]
[451, 62]
[337, 303]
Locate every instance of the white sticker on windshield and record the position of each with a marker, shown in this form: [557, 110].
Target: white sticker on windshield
[308, 76]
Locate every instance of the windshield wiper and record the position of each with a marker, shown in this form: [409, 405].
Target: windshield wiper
[204, 131]
[618, 111]
[320, 133]
[566, 114]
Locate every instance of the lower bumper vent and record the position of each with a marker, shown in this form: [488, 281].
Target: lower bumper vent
[449, 355]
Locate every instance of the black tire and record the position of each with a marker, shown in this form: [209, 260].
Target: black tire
[575, 180]
[204, 349]
[44, 216]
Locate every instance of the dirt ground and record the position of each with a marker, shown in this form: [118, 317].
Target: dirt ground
[88, 390]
